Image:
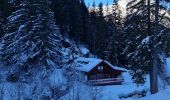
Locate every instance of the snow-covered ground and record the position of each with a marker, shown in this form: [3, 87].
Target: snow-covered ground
[81, 91]
[113, 92]
[162, 95]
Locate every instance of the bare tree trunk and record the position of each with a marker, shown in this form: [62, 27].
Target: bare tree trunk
[154, 74]
[154, 69]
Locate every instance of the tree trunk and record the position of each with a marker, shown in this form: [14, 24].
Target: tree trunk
[154, 74]
[154, 69]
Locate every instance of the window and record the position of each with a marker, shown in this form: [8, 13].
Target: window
[100, 68]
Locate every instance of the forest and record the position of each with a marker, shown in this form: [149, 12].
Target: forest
[41, 39]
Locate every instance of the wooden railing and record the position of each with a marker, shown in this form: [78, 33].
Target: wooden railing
[107, 81]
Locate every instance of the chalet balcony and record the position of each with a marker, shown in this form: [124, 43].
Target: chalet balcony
[108, 81]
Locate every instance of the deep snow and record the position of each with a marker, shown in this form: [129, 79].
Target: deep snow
[162, 95]
[113, 92]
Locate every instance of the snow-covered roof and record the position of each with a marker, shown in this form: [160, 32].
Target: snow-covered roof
[86, 64]
[114, 67]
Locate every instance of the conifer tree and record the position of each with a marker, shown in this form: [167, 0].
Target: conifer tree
[136, 30]
[85, 21]
[93, 29]
[2, 18]
[141, 40]
[31, 36]
[101, 31]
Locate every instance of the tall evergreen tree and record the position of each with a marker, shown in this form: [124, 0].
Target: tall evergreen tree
[101, 31]
[141, 40]
[62, 13]
[85, 21]
[31, 37]
[72, 17]
[1, 18]
[113, 37]
[93, 29]
[3, 14]
[137, 47]
[118, 40]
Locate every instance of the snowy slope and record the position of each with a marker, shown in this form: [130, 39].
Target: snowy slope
[113, 92]
[162, 95]
[168, 65]
[41, 82]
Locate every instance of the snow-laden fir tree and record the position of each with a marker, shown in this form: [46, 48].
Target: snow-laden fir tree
[135, 31]
[31, 37]
[1, 18]
[141, 39]
[33, 52]
[117, 35]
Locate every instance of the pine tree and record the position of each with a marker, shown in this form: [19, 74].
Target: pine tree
[100, 25]
[141, 39]
[85, 21]
[31, 37]
[62, 13]
[93, 29]
[118, 40]
[137, 49]
[72, 18]
[114, 40]
[2, 18]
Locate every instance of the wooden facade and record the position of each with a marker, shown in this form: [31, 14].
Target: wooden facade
[104, 74]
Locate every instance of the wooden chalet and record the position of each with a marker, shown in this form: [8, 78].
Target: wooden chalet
[100, 72]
